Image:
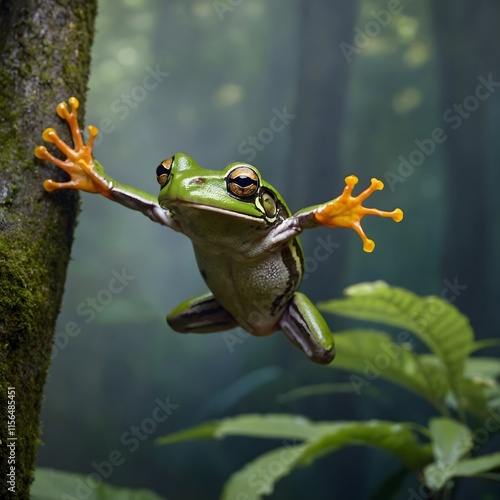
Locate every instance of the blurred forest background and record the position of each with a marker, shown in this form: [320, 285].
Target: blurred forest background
[399, 90]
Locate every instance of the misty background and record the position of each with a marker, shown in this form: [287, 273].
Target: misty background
[403, 91]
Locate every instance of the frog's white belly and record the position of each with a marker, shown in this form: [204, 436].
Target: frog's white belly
[254, 291]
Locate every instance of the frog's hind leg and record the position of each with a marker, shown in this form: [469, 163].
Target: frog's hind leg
[306, 328]
[201, 314]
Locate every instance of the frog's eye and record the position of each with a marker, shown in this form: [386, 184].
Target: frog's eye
[242, 182]
[163, 171]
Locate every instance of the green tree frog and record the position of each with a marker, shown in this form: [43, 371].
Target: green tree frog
[243, 234]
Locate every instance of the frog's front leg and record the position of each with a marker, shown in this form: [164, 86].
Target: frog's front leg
[306, 328]
[344, 211]
[87, 174]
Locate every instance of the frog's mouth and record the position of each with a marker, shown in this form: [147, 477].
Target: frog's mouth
[177, 206]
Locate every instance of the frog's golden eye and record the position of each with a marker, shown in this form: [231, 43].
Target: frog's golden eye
[242, 182]
[163, 171]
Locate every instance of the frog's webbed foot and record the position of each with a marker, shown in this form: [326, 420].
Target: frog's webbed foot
[347, 210]
[79, 163]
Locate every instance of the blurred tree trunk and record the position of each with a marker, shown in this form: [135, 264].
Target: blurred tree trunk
[314, 164]
[44, 59]
[467, 37]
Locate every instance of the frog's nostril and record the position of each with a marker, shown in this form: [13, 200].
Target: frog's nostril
[197, 181]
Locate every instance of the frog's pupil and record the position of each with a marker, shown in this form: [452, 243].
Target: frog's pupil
[244, 181]
[161, 170]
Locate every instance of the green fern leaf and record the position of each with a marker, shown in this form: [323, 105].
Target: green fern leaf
[373, 354]
[439, 324]
[279, 426]
[259, 477]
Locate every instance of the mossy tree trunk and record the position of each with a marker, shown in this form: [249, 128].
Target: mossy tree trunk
[44, 59]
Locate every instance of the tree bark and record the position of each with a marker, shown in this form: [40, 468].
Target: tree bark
[44, 59]
[467, 38]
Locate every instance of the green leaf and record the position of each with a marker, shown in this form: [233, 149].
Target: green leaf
[493, 397]
[50, 484]
[206, 430]
[482, 367]
[436, 476]
[451, 440]
[397, 438]
[485, 343]
[373, 354]
[478, 465]
[260, 476]
[439, 324]
[479, 390]
[279, 426]
[473, 398]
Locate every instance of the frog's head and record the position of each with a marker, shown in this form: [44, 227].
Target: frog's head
[237, 193]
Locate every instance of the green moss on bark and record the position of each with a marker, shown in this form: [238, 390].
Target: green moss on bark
[44, 59]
